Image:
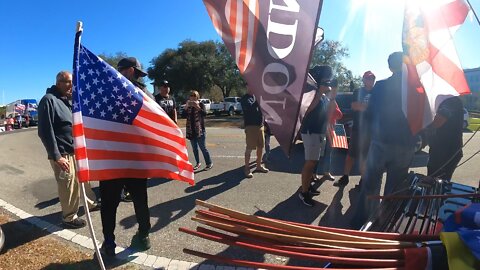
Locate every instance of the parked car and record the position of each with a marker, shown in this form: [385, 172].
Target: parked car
[466, 118]
[21, 121]
[207, 102]
[230, 106]
[344, 101]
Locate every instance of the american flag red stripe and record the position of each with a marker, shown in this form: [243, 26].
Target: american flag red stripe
[337, 136]
[156, 151]
[119, 132]
[242, 18]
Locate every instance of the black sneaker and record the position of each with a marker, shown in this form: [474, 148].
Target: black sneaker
[74, 224]
[196, 167]
[108, 248]
[140, 242]
[342, 181]
[126, 197]
[306, 198]
[328, 176]
[97, 207]
[313, 191]
[209, 166]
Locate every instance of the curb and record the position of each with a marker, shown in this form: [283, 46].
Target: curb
[123, 254]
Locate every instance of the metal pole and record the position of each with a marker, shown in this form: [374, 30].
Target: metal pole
[84, 195]
[473, 11]
[90, 228]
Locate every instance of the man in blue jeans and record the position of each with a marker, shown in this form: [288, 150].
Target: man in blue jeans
[392, 143]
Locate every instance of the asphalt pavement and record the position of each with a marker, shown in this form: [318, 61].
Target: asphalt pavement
[27, 183]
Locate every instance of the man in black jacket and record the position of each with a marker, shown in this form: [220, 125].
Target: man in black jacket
[110, 190]
[55, 131]
[165, 100]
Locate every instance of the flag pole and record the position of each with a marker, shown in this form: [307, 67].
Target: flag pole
[78, 36]
[474, 13]
[90, 227]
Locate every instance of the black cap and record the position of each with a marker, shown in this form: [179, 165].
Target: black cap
[129, 62]
[161, 83]
[164, 83]
[320, 73]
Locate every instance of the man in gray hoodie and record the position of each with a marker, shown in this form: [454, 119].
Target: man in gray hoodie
[55, 131]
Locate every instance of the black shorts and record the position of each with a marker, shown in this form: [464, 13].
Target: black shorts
[359, 144]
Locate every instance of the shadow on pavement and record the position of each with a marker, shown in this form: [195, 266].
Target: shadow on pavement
[334, 217]
[20, 232]
[45, 204]
[164, 212]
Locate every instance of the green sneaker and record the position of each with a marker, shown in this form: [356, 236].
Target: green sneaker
[140, 242]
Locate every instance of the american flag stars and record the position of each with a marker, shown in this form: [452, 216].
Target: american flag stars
[98, 91]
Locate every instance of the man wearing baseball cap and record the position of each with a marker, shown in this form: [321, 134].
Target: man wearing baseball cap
[111, 190]
[359, 138]
[131, 68]
[164, 99]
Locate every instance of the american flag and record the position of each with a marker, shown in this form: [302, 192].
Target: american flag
[119, 132]
[19, 108]
[337, 136]
[434, 72]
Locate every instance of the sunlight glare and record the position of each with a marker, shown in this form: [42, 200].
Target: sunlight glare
[376, 24]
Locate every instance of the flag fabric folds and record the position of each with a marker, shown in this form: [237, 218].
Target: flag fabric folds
[271, 42]
[466, 222]
[337, 136]
[432, 71]
[19, 108]
[459, 257]
[119, 132]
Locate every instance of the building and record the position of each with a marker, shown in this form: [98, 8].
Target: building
[472, 102]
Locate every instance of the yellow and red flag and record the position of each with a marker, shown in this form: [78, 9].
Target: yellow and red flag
[433, 70]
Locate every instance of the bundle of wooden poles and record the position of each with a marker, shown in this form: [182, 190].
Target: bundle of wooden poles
[347, 249]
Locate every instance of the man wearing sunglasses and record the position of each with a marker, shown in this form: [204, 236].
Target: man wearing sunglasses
[313, 131]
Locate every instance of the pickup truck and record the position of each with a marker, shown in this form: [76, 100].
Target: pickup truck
[205, 101]
[230, 106]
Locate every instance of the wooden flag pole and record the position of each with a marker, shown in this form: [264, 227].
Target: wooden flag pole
[78, 35]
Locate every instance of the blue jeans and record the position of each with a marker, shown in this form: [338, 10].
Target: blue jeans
[392, 159]
[200, 141]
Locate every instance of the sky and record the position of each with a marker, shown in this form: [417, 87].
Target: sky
[36, 37]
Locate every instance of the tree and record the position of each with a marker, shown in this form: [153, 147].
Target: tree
[186, 68]
[113, 60]
[226, 74]
[332, 53]
[199, 66]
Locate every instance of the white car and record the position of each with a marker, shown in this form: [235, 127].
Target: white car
[205, 101]
[230, 106]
